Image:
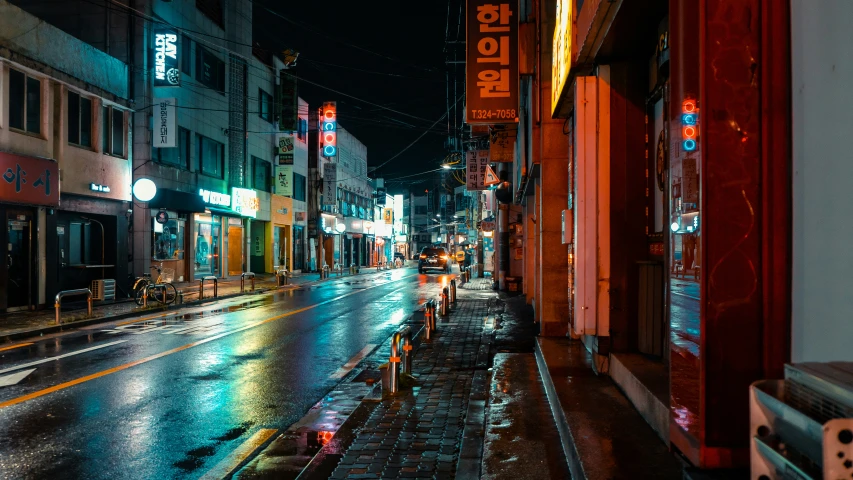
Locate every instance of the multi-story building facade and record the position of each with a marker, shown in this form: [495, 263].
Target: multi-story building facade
[66, 161]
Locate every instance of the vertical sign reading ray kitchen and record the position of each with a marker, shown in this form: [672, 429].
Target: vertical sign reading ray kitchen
[166, 133]
[491, 68]
[288, 102]
[165, 49]
[330, 184]
[284, 180]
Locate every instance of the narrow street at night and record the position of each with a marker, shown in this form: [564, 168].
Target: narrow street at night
[170, 397]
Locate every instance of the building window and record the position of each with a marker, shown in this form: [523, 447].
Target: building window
[209, 69]
[265, 105]
[79, 120]
[168, 239]
[24, 102]
[298, 187]
[180, 156]
[302, 130]
[261, 174]
[186, 56]
[212, 9]
[211, 157]
[112, 134]
[420, 210]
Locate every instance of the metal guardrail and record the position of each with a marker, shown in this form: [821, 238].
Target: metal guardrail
[282, 277]
[210, 278]
[324, 272]
[396, 359]
[70, 293]
[243, 277]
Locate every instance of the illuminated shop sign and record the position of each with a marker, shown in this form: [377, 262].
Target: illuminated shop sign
[329, 127]
[562, 51]
[215, 198]
[491, 68]
[689, 125]
[246, 202]
[165, 48]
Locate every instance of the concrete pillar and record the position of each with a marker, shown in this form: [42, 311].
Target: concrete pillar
[553, 261]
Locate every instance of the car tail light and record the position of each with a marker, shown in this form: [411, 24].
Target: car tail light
[423, 256]
[444, 257]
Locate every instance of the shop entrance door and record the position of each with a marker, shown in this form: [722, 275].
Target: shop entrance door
[235, 250]
[19, 260]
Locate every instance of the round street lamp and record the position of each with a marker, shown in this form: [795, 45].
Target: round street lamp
[341, 228]
[144, 189]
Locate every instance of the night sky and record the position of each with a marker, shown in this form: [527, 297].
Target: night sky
[384, 52]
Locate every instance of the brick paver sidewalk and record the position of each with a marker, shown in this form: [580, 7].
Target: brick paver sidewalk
[419, 433]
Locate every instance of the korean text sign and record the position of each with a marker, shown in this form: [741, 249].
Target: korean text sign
[284, 180]
[475, 171]
[492, 62]
[166, 133]
[28, 180]
[330, 184]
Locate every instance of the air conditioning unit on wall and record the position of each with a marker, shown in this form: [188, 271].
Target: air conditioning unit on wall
[802, 426]
[103, 289]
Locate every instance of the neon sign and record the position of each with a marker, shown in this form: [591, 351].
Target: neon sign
[166, 73]
[328, 129]
[689, 125]
[215, 198]
[246, 202]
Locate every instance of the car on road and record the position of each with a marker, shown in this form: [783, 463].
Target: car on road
[399, 256]
[433, 258]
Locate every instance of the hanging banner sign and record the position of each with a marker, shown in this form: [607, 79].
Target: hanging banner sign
[165, 51]
[284, 180]
[330, 184]
[502, 146]
[472, 172]
[388, 216]
[288, 102]
[166, 118]
[491, 68]
[284, 149]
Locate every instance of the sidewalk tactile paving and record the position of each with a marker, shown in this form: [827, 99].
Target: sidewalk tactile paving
[423, 429]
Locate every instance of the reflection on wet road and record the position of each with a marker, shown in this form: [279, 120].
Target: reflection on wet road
[171, 395]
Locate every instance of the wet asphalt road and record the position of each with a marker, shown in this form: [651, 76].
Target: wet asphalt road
[169, 397]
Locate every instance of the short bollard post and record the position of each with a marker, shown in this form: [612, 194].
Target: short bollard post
[453, 291]
[445, 304]
[407, 354]
[429, 316]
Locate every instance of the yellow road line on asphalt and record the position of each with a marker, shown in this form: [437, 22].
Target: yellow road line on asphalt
[14, 346]
[230, 463]
[63, 386]
[145, 319]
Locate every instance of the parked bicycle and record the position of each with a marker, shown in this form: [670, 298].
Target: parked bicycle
[160, 290]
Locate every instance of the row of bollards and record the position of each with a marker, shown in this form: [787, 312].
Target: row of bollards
[401, 356]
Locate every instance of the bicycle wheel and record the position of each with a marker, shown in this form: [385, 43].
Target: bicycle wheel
[137, 293]
[170, 294]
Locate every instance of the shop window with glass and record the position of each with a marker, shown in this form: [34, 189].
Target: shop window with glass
[208, 238]
[168, 238]
[260, 174]
[79, 120]
[298, 187]
[179, 156]
[24, 102]
[112, 131]
[209, 69]
[264, 105]
[211, 157]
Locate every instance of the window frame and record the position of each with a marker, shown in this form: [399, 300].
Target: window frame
[299, 186]
[218, 79]
[200, 145]
[262, 95]
[25, 103]
[184, 150]
[186, 55]
[265, 166]
[302, 130]
[107, 121]
[80, 120]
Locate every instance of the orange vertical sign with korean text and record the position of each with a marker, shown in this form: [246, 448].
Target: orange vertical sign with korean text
[29, 180]
[491, 64]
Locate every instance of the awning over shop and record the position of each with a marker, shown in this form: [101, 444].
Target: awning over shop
[177, 201]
